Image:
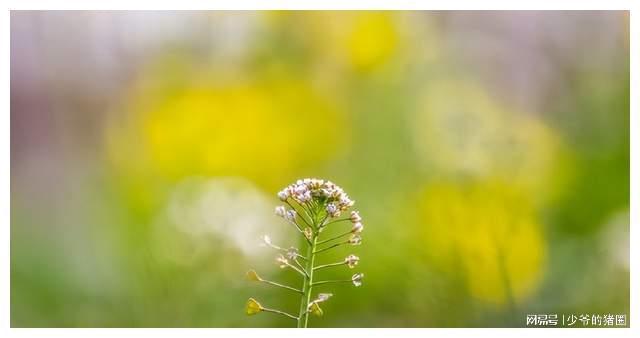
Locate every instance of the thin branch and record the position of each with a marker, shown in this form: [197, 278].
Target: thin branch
[304, 209]
[336, 221]
[279, 248]
[297, 226]
[332, 281]
[334, 238]
[322, 225]
[281, 285]
[280, 313]
[274, 246]
[304, 274]
[329, 265]
[301, 232]
[301, 268]
[330, 247]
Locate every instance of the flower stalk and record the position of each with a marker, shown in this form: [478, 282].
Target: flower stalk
[319, 204]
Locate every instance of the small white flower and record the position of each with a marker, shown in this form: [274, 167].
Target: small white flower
[352, 261]
[323, 297]
[346, 202]
[355, 217]
[267, 240]
[357, 228]
[282, 261]
[283, 195]
[292, 253]
[357, 279]
[281, 211]
[300, 189]
[332, 210]
[290, 215]
[305, 197]
[355, 240]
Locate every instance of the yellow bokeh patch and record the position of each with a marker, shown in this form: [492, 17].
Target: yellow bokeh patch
[260, 130]
[363, 41]
[488, 232]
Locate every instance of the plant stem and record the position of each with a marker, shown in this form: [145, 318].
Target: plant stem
[303, 317]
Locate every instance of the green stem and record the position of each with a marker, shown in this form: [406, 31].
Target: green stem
[303, 317]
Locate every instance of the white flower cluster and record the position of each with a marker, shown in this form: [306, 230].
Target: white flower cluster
[311, 205]
[327, 193]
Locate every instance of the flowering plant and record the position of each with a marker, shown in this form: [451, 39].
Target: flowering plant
[311, 206]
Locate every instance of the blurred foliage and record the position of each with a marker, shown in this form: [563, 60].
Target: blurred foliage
[478, 208]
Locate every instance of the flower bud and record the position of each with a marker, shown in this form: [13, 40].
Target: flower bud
[333, 210]
[351, 261]
[282, 261]
[314, 306]
[252, 275]
[305, 197]
[253, 307]
[355, 217]
[292, 253]
[357, 279]
[315, 309]
[267, 240]
[357, 228]
[308, 233]
[290, 215]
[281, 211]
[283, 195]
[355, 240]
[323, 296]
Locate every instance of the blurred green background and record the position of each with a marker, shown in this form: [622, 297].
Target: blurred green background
[488, 153]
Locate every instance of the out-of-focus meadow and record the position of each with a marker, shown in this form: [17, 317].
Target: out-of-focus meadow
[488, 153]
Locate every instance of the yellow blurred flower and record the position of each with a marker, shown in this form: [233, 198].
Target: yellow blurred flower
[260, 130]
[372, 40]
[361, 40]
[489, 232]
